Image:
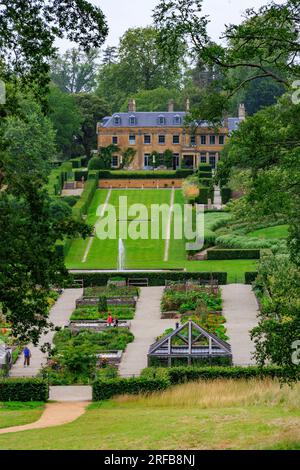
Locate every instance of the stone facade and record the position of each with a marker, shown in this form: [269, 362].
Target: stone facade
[161, 131]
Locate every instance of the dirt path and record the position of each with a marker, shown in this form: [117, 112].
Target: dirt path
[55, 414]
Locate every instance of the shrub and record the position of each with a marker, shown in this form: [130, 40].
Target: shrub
[23, 390]
[106, 389]
[97, 163]
[102, 304]
[179, 375]
[226, 194]
[223, 254]
[244, 242]
[250, 277]
[78, 162]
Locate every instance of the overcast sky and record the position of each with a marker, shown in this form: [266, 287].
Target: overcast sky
[124, 14]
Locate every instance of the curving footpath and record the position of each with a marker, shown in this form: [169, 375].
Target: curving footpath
[55, 414]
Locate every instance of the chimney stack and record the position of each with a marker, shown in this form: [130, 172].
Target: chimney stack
[242, 112]
[131, 106]
[171, 106]
[187, 105]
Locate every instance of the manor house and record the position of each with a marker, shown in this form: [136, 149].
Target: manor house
[147, 132]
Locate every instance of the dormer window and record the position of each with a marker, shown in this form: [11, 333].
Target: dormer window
[117, 120]
[177, 119]
[132, 120]
[161, 120]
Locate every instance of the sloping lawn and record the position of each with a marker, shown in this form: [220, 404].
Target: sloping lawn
[17, 414]
[208, 415]
[279, 231]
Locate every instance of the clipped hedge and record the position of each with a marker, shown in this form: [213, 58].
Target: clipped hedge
[93, 175]
[155, 279]
[223, 254]
[78, 162]
[23, 390]
[106, 389]
[250, 277]
[205, 167]
[81, 207]
[205, 182]
[205, 194]
[179, 375]
[78, 174]
[204, 174]
[143, 174]
[226, 195]
[57, 178]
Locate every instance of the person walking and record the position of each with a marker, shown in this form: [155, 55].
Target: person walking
[116, 323]
[109, 320]
[27, 356]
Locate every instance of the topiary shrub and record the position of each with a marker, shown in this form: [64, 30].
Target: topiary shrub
[102, 304]
[106, 389]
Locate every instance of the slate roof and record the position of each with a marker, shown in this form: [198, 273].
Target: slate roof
[151, 119]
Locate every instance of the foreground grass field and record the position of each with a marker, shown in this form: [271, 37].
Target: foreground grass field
[148, 254]
[17, 414]
[206, 415]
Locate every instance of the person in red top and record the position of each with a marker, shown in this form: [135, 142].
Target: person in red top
[109, 320]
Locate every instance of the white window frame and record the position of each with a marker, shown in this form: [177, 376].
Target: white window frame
[132, 142]
[112, 161]
[147, 143]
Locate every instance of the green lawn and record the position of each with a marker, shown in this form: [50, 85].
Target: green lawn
[17, 414]
[220, 415]
[279, 231]
[148, 253]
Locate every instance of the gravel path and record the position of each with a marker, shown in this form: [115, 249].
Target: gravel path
[146, 326]
[240, 309]
[55, 414]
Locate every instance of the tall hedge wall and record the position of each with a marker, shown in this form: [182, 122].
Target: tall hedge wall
[155, 279]
[223, 254]
[81, 207]
[23, 390]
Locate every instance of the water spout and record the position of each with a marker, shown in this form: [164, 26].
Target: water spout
[121, 255]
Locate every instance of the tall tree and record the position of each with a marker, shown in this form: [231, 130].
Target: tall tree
[29, 29]
[29, 264]
[265, 43]
[140, 66]
[66, 119]
[91, 109]
[75, 71]
[110, 55]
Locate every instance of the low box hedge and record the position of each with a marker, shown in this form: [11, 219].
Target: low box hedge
[154, 279]
[106, 389]
[23, 390]
[205, 167]
[224, 254]
[250, 277]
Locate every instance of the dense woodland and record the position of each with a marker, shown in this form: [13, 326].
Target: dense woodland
[54, 100]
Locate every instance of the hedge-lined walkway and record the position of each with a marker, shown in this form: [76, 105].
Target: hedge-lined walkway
[59, 316]
[240, 309]
[55, 414]
[146, 326]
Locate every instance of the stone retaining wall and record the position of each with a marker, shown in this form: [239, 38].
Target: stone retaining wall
[135, 183]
